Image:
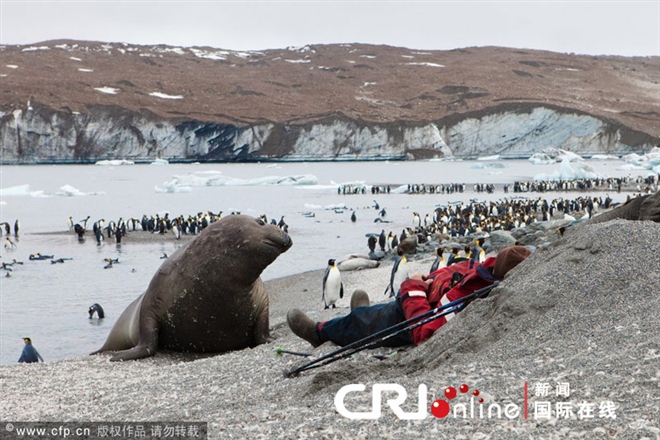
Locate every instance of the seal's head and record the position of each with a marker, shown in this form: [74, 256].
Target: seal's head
[243, 244]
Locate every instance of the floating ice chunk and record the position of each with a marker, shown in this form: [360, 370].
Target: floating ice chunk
[559, 154]
[69, 191]
[216, 179]
[159, 162]
[541, 159]
[567, 172]
[20, 190]
[486, 165]
[172, 187]
[494, 157]
[331, 207]
[631, 167]
[114, 162]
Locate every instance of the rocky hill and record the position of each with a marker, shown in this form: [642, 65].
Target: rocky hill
[78, 102]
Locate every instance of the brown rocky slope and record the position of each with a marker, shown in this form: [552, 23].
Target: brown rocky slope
[364, 84]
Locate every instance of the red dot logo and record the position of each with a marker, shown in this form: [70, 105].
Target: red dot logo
[440, 408]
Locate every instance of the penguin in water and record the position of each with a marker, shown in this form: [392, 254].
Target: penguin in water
[96, 308]
[29, 354]
[80, 232]
[439, 262]
[333, 288]
[398, 276]
[99, 236]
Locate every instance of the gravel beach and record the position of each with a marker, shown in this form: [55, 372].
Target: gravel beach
[580, 313]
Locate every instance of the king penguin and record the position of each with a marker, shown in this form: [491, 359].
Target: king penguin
[439, 262]
[417, 220]
[398, 276]
[480, 253]
[333, 289]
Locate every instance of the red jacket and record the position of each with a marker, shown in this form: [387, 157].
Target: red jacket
[417, 297]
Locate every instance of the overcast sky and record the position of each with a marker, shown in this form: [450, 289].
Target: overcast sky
[626, 28]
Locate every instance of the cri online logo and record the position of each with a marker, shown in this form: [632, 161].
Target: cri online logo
[440, 408]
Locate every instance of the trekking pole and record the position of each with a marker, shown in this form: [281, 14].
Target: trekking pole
[382, 335]
[279, 351]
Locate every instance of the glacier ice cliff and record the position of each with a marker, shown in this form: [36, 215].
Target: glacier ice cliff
[39, 134]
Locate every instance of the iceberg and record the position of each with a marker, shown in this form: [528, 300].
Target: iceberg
[631, 167]
[541, 159]
[331, 207]
[70, 191]
[559, 154]
[217, 179]
[160, 162]
[172, 188]
[482, 166]
[114, 162]
[567, 172]
[494, 157]
[21, 190]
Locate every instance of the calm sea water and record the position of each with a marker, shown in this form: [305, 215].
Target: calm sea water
[48, 302]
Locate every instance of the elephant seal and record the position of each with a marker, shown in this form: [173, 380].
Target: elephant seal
[357, 262]
[645, 207]
[207, 297]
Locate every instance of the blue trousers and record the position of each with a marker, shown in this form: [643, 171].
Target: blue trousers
[365, 321]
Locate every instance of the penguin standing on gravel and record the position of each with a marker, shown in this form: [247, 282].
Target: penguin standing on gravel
[333, 289]
[398, 276]
[439, 262]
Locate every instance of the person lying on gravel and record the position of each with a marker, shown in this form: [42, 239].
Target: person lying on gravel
[419, 294]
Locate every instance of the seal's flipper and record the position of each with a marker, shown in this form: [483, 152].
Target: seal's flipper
[138, 352]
